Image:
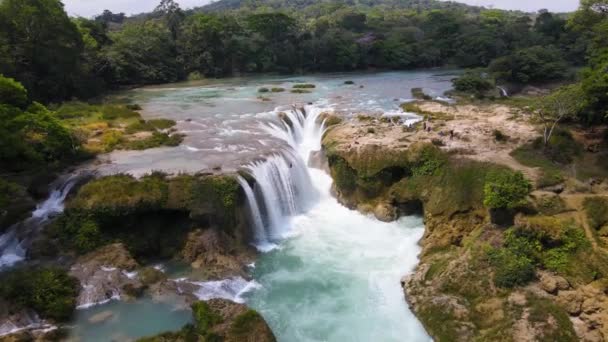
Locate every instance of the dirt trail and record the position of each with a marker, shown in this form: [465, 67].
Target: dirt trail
[474, 128]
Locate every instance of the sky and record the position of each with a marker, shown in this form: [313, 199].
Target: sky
[89, 8]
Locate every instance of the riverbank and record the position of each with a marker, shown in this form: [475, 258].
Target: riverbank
[540, 277]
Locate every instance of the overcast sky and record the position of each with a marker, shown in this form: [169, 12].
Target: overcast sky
[89, 8]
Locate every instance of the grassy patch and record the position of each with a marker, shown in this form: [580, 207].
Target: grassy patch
[597, 211]
[304, 86]
[541, 309]
[156, 140]
[277, 90]
[300, 91]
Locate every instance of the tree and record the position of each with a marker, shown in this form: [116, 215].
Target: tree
[173, 14]
[44, 47]
[143, 53]
[533, 64]
[12, 93]
[562, 104]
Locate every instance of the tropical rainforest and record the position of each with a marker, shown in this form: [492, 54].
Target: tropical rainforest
[56, 69]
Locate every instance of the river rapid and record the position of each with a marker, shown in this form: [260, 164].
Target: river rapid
[325, 273]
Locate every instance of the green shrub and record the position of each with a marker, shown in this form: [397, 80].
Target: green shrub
[597, 211]
[77, 231]
[245, 323]
[113, 112]
[111, 139]
[430, 161]
[263, 90]
[506, 189]
[500, 136]
[511, 269]
[8, 192]
[349, 82]
[304, 86]
[419, 94]
[133, 106]
[139, 126]
[12, 93]
[204, 317]
[49, 291]
[474, 83]
[277, 90]
[300, 91]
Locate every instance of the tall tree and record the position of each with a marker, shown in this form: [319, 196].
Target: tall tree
[43, 47]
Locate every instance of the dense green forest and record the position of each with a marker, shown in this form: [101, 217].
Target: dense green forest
[57, 57]
[48, 57]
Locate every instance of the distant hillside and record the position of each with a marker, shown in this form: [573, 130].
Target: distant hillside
[228, 5]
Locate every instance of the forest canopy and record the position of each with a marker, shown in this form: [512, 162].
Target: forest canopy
[57, 57]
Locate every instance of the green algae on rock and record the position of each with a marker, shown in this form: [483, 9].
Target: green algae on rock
[220, 320]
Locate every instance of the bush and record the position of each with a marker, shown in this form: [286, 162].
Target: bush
[277, 90]
[304, 86]
[511, 269]
[133, 106]
[263, 90]
[430, 161]
[300, 91]
[349, 82]
[597, 211]
[49, 291]
[77, 231]
[12, 93]
[204, 317]
[418, 93]
[473, 82]
[500, 136]
[506, 189]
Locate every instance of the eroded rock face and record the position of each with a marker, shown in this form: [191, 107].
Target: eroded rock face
[239, 323]
[384, 169]
[215, 253]
[105, 274]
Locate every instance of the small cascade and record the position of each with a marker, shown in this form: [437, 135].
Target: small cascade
[12, 248]
[503, 92]
[283, 187]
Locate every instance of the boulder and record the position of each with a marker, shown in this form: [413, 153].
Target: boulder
[385, 212]
[101, 317]
[571, 301]
[103, 275]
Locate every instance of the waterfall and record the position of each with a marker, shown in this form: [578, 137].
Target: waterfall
[283, 187]
[260, 235]
[503, 92]
[12, 248]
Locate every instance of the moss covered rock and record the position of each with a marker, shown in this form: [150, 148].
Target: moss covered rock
[220, 320]
[152, 215]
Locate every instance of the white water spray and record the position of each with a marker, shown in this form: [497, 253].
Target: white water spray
[12, 250]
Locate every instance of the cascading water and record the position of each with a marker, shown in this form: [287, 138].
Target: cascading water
[283, 188]
[337, 277]
[12, 248]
